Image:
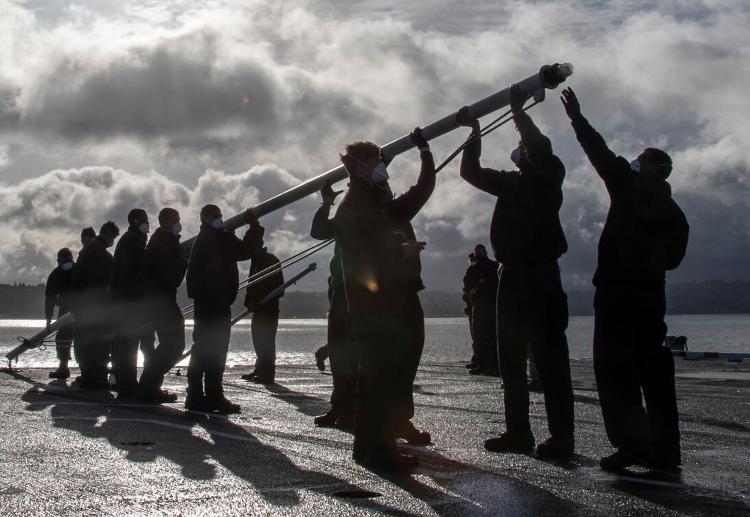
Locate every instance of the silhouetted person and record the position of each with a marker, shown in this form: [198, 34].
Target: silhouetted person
[480, 283]
[92, 308]
[128, 291]
[87, 235]
[374, 266]
[468, 281]
[265, 319]
[645, 235]
[408, 308]
[532, 309]
[341, 347]
[57, 293]
[165, 270]
[212, 283]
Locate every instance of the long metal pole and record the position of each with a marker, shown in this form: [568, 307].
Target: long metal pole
[548, 77]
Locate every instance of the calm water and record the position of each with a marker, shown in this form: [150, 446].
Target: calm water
[447, 338]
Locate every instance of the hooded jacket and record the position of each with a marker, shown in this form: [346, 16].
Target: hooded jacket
[525, 228]
[645, 233]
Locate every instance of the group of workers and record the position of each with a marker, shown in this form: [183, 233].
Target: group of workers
[517, 305]
[123, 302]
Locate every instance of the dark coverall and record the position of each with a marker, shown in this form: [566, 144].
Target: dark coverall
[265, 321]
[57, 292]
[212, 283]
[92, 310]
[409, 332]
[128, 290]
[165, 270]
[480, 285]
[342, 350]
[532, 308]
[629, 303]
[368, 256]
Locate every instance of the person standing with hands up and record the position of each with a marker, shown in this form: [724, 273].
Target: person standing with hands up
[532, 311]
[645, 235]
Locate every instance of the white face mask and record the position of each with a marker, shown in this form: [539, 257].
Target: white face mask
[380, 173]
[176, 228]
[144, 228]
[635, 165]
[218, 223]
[66, 266]
[515, 156]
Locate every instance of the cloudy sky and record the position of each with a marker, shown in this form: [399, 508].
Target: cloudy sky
[106, 105]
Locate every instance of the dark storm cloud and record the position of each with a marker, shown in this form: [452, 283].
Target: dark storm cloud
[193, 90]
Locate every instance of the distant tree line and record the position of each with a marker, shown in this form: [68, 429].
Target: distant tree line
[22, 301]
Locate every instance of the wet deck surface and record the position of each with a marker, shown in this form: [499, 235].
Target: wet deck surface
[69, 452]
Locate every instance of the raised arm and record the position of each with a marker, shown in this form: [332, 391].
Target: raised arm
[322, 227]
[245, 248]
[489, 180]
[608, 165]
[407, 205]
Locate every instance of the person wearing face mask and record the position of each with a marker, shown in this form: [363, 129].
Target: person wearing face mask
[409, 331]
[480, 284]
[212, 282]
[527, 239]
[165, 268]
[645, 234]
[91, 306]
[128, 290]
[56, 293]
[380, 272]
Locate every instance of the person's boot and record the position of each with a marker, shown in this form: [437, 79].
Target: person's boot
[389, 460]
[326, 419]
[508, 442]
[412, 435]
[624, 458]
[264, 379]
[219, 403]
[320, 359]
[556, 447]
[62, 372]
[662, 459]
[157, 396]
[248, 376]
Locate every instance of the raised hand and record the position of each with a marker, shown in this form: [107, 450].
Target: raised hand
[417, 138]
[328, 194]
[517, 98]
[464, 118]
[570, 102]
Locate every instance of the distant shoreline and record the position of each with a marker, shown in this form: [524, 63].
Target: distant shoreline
[691, 298]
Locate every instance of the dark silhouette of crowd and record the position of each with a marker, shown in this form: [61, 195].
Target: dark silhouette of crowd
[125, 302]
